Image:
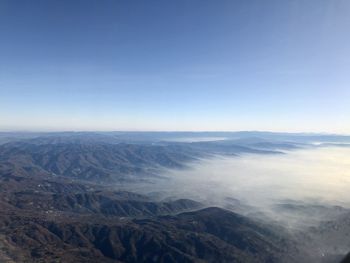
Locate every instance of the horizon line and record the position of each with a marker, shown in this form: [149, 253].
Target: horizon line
[174, 131]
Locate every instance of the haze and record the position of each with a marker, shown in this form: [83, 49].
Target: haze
[313, 176]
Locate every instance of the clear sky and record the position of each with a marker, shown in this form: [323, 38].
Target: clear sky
[175, 65]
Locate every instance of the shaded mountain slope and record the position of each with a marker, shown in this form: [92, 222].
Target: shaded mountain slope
[94, 162]
[209, 235]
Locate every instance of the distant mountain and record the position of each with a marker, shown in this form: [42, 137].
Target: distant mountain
[90, 161]
[91, 158]
[149, 137]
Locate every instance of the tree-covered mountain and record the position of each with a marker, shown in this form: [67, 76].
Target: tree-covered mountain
[61, 201]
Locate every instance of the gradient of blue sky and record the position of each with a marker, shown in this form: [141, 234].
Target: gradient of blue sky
[175, 65]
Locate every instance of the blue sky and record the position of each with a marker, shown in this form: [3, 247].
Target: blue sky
[175, 65]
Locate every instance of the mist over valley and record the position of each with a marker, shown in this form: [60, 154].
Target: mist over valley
[278, 193]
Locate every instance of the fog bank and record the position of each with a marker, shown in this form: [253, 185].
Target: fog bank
[318, 176]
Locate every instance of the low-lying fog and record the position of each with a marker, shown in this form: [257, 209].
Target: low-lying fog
[316, 176]
[195, 139]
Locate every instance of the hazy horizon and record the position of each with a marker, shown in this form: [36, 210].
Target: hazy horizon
[171, 131]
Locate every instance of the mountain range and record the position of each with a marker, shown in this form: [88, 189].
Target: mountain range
[60, 201]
